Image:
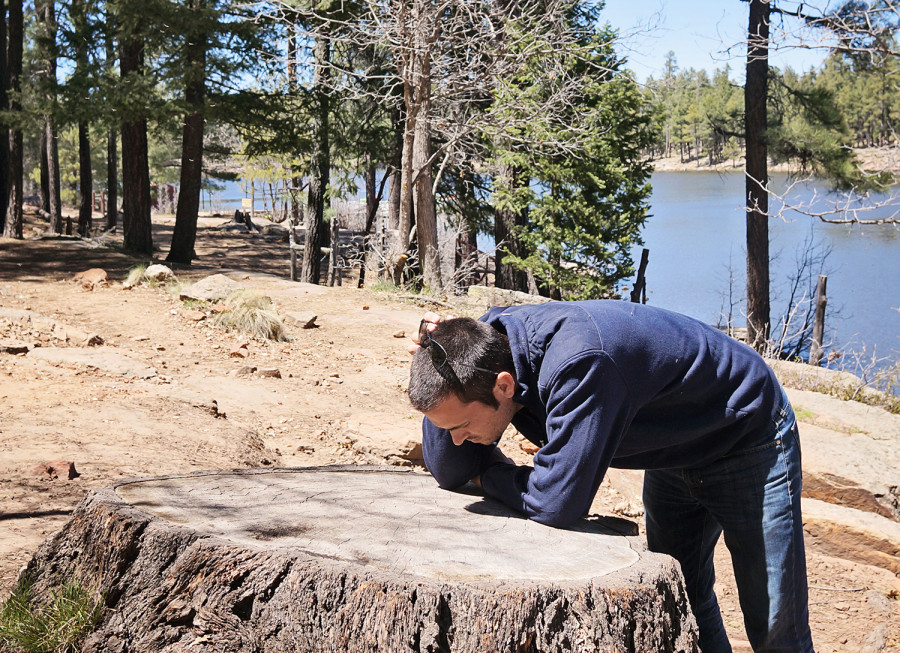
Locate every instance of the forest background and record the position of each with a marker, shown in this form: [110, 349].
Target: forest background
[520, 120]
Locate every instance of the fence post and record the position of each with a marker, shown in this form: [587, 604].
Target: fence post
[639, 292]
[818, 333]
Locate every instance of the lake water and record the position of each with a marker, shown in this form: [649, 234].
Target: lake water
[696, 232]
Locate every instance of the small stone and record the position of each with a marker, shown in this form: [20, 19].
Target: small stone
[91, 278]
[239, 351]
[365, 308]
[158, 272]
[305, 320]
[56, 469]
[195, 316]
[219, 307]
[272, 373]
[246, 370]
[400, 334]
[14, 347]
[141, 338]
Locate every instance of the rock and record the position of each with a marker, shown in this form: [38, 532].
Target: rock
[239, 351]
[14, 347]
[92, 278]
[231, 227]
[76, 336]
[305, 560]
[158, 272]
[304, 320]
[246, 370]
[272, 373]
[57, 469]
[100, 358]
[503, 297]
[195, 316]
[400, 334]
[210, 289]
[852, 534]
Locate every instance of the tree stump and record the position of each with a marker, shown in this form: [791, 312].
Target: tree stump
[355, 559]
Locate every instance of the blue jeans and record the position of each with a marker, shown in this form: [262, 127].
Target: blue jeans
[753, 497]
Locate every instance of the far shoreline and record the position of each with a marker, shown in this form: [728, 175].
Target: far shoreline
[870, 158]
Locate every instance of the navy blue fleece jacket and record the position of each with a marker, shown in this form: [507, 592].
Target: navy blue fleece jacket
[611, 384]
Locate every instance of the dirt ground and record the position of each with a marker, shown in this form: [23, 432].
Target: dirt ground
[188, 402]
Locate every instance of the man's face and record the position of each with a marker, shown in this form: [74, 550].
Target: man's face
[475, 421]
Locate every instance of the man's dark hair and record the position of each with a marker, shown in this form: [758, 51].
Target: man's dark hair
[469, 344]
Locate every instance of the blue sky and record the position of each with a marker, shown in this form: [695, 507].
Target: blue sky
[700, 32]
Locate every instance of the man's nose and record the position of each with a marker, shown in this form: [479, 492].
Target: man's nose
[459, 437]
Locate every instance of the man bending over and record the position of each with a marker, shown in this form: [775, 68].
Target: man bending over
[601, 384]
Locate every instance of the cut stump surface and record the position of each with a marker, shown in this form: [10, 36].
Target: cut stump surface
[356, 559]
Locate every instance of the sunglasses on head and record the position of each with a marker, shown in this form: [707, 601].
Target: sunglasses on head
[437, 352]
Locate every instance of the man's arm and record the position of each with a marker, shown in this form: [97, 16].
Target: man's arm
[588, 412]
[451, 465]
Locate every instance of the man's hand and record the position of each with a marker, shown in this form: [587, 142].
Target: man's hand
[432, 319]
[497, 456]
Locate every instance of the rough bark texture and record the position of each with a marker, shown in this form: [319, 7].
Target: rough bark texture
[185, 233]
[320, 164]
[757, 176]
[136, 224]
[507, 222]
[287, 587]
[86, 181]
[14, 219]
[4, 129]
[426, 215]
[112, 181]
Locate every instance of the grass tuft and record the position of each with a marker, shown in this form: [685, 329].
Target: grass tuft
[135, 275]
[71, 613]
[252, 313]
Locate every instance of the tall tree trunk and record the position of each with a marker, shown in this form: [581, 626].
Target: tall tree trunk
[112, 181]
[14, 227]
[399, 122]
[136, 224]
[86, 181]
[755, 93]
[185, 233]
[45, 177]
[4, 106]
[112, 156]
[320, 164]
[54, 199]
[78, 14]
[507, 223]
[46, 13]
[406, 176]
[426, 216]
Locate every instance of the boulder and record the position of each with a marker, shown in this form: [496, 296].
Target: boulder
[210, 289]
[158, 272]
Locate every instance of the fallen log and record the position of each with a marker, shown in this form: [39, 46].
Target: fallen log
[355, 559]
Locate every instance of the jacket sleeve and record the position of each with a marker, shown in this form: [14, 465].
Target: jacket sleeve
[588, 412]
[450, 465]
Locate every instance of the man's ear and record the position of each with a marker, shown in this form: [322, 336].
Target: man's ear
[505, 385]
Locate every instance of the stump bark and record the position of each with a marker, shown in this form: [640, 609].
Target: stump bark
[355, 559]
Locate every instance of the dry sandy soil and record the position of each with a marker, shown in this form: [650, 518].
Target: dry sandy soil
[180, 401]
